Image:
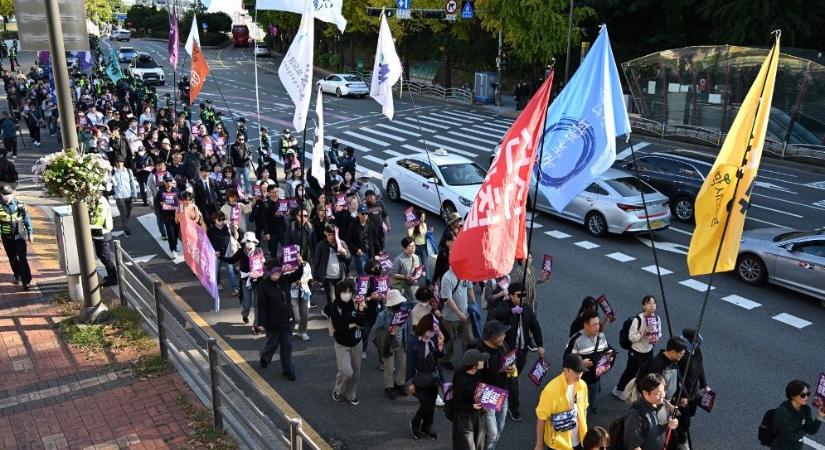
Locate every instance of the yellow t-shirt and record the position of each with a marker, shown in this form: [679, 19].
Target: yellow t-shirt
[553, 400]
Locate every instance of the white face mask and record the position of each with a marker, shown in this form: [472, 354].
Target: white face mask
[346, 297]
[7, 198]
[249, 246]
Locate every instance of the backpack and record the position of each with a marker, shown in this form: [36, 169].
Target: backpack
[624, 333]
[766, 433]
[616, 429]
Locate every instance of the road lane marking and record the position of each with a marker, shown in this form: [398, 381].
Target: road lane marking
[742, 302]
[695, 285]
[393, 153]
[816, 185]
[772, 186]
[557, 234]
[776, 211]
[151, 224]
[814, 444]
[652, 269]
[820, 203]
[374, 159]
[414, 127]
[429, 124]
[679, 230]
[666, 246]
[460, 120]
[366, 138]
[768, 223]
[397, 130]
[463, 114]
[494, 130]
[473, 138]
[351, 144]
[443, 122]
[621, 257]
[587, 245]
[486, 133]
[456, 141]
[382, 134]
[452, 149]
[495, 125]
[788, 201]
[793, 321]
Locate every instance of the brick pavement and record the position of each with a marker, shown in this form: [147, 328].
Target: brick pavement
[53, 396]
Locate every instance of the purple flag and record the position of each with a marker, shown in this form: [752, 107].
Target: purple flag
[173, 38]
[272, 30]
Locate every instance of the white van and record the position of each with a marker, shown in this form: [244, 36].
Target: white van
[120, 35]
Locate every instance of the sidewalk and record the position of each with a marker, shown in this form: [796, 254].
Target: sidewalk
[54, 396]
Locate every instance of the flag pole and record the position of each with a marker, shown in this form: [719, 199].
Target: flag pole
[175, 71]
[650, 235]
[426, 151]
[257, 98]
[729, 207]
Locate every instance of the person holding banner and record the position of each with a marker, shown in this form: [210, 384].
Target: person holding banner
[642, 343]
[188, 208]
[329, 264]
[561, 414]
[235, 211]
[250, 260]
[275, 314]
[500, 367]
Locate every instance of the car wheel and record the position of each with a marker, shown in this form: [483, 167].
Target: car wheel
[338, 92]
[751, 269]
[595, 223]
[446, 209]
[393, 192]
[682, 208]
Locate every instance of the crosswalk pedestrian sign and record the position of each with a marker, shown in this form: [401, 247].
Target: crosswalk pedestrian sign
[467, 11]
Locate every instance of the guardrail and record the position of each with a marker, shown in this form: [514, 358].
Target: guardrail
[465, 95]
[239, 404]
[776, 149]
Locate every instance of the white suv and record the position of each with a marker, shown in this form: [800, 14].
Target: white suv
[120, 35]
[145, 68]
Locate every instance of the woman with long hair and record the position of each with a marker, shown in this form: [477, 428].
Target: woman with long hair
[423, 375]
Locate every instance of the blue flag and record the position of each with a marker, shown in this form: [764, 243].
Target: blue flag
[582, 125]
[113, 68]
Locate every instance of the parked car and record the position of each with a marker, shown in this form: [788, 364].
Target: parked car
[145, 68]
[342, 84]
[126, 54]
[412, 178]
[678, 175]
[790, 258]
[261, 49]
[120, 35]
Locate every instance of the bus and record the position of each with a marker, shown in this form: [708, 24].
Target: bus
[240, 35]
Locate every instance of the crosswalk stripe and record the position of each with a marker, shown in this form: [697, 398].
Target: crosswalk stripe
[382, 134]
[429, 124]
[496, 125]
[621, 257]
[587, 245]
[443, 122]
[397, 130]
[375, 159]
[497, 134]
[414, 126]
[652, 269]
[435, 145]
[557, 234]
[464, 114]
[494, 130]
[456, 141]
[366, 138]
[695, 285]
[451, 117]
[393, 153]
[472, 138]
[350, 144]
[791, 320]
[741, 302]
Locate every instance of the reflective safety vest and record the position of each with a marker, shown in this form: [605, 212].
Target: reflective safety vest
[12, 224]
[100, 219]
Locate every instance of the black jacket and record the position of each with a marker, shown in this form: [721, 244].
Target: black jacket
[273, 225]
[362, 237]
[321, 256]
[342, 315]
[240, 155]
[219, 238]
[694, 379]
[645, 427]
[527, 320]
[8, 173]
[305, 239]
[658, 365]
[493, 372]
[274, 301]
[203, 201]
[464, 389]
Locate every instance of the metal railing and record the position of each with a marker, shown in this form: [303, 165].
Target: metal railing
[239, 404]
[462, 94]
[776, 149]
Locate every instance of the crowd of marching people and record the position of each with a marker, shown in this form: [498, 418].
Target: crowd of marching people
[448, 342]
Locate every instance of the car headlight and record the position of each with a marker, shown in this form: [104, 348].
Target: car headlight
[465, 201]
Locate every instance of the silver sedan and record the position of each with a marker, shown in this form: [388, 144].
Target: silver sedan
[789, 258]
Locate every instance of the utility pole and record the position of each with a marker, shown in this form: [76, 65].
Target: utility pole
[92, 307]
[569, 42]
[500, 62]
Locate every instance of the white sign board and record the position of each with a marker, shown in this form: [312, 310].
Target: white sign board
[33, 29]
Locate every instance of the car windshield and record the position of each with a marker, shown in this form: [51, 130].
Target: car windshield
[463, 174]
[127, 50]
[146, 64]
[629, 186]
[350, 78]
[798, 234]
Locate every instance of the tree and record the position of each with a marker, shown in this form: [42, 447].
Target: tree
[750, 22]
[6, 10]
[99, 10]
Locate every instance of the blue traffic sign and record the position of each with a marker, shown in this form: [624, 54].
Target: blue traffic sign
[403, 4]
[467, 11]
[120, 17]
[203, 25]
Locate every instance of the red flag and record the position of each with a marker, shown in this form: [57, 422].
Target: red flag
[496, 219]
[200, 70]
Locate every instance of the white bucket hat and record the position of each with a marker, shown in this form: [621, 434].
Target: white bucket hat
[249, 236]
[394, 297]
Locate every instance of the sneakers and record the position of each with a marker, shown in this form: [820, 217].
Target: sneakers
[532, 348]
[514, 415]
[174, 254]
[236, 291]
[439, 401]
[163, 237]
[354, 401]
[304, 337]
[390, 393]
[26, 286]
[16, 279]
[290, 376]
[264, 363]
[416, 433]
[430, 434]
[336, 396]
[364, 355]
[618, 394]
[246, 320]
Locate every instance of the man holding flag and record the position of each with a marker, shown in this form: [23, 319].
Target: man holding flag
[387, 69]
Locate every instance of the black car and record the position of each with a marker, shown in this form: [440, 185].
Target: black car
[678, 175]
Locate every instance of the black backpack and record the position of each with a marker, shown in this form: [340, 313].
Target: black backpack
[766, 433]
[624, 333]
[616, 430]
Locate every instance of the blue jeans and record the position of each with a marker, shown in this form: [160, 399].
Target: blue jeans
[249, 299]
[243, 174]
[360, 264]
[474, 315]
[230, 271]
[494, 425]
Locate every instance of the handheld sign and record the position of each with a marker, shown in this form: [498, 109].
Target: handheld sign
[328, 208]
[170, 201]
[409, 217]
[654, 328]
[362, 285]
[382, 286]
[290, 263]
[605, 363]
[340, 202]
[538, 372]
[292, 202]
[509, 359]
[281, 208]
[547, 265]
[490, 397]
[417, 272]
[399, 317]
[256, 264]
[235, 215]
[820, 391]
[356, 186]
[384, 261]
[256, 190]
[707, 399]
[608, 310]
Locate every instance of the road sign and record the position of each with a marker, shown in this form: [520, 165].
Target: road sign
[403, 4]
[467, 11]
[33, 30]
[120, 17]
[450, 7]
[403, 13]
[203, 25]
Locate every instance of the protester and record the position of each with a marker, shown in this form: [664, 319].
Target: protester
[328, 264]
[15, 230]
[561, 413]
[642, 341]
[794, 419]
[495, 373]
[421, 236]
[375, 306]
[301, 294]
[250, 260]
[101, 224]
[590, 344]
[224, 240]
[423, 376]
[647, 422]
[347, 318]
[125, 190]
[529, 280]
[455, 296]
[362, 239]
[695, 385]
[275, 314]
[666, 364]
[403, 271]
[390, 338]
[596, 439]
[468, 423]
[167, 200]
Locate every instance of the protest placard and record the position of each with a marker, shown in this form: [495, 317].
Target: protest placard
[170, 201]
[508, 359]
[547, 266]
[362, 285]
[654, 328]
[605, 363]
[410, 220]
[382, 285]
[417, 272]
[707, 399]
[538, 372]
[340, 202]
[384, 261]
[608, 310]
[281, 207]
[256, 263]
[290, 261]
[490, 397]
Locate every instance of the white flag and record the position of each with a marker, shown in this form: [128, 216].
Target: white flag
[295, 71]
[193, 36]
[318, 171]
[325, 10]
[386, 71]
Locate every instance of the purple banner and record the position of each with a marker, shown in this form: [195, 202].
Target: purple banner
[200, 256]
[290, 262]
[490, 397]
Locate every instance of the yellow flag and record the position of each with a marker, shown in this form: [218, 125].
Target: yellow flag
[740, 155]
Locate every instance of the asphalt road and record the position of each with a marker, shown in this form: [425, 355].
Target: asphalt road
[750, 354]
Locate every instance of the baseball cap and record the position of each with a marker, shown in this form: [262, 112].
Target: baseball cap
[362, 209]
[494, 328]
[472, 357]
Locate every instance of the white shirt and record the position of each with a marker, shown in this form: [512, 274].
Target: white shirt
[571, 400]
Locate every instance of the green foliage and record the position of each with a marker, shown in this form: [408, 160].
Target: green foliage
[6, 8]
[85, 337]
[99, 10]
[335, 62]
[149, 366]
[750, 22]
[9, 35]
[123, 330]
[205, 435]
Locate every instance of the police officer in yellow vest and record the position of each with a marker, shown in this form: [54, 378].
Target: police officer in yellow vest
[101, 223]
[15, 230]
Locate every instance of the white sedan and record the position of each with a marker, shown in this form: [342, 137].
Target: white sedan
[447, 185]
[342, 84]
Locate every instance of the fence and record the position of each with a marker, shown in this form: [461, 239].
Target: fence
[240, 404]
[776, 149]
[464, 95]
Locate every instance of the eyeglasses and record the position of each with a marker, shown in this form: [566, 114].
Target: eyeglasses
[804, 394]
